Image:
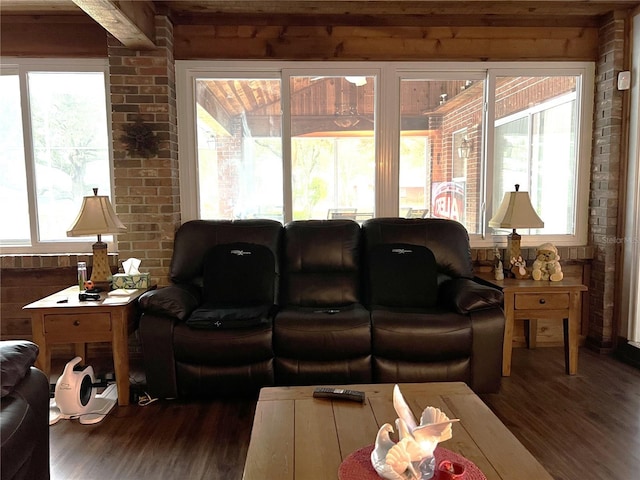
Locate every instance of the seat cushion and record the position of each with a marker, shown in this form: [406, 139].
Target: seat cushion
[327, 372]
[218, 318]
[398, 371]
[322, 334]
[239, 346]
[402, 275]
[420, 336]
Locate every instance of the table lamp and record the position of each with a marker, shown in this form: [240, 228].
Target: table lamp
[97, 217]
[515, 211]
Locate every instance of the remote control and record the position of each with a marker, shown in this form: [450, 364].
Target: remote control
[339, 394]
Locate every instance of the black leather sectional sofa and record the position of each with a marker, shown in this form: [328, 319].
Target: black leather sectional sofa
[24, 413]
[254, 303]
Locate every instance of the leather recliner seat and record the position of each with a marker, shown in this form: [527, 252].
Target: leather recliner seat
[333, 320]
[181, 360]
[429, 319]
[321, 332]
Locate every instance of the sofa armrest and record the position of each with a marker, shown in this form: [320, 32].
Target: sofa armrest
[488, 338]
[174, 301]
[16, 359]
[465, 295]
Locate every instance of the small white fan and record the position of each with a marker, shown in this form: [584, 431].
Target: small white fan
[75, 396]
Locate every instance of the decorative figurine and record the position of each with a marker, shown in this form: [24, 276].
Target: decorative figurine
[498, 268]
[519, 267]
[412, 457]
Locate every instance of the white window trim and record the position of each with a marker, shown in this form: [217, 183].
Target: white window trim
[388, 76]
[21, 66]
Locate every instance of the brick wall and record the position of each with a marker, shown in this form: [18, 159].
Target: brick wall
[605, 194]
[147, 190]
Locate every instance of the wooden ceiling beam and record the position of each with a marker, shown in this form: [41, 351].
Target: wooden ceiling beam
[131, 22]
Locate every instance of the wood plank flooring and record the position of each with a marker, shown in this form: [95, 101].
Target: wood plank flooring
[585, 427]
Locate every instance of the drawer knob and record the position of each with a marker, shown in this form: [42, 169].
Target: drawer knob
[542, 301]
[76, 323]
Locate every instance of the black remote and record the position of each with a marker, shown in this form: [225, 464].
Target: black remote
[339, 394]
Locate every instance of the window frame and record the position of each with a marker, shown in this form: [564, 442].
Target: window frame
[22, 67]
[585, 71]
[388, 76]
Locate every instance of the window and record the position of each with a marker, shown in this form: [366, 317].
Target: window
[239, 147]
[442, 178]
[534, 136]
[332, 146]
[55, 140]
[362, 139]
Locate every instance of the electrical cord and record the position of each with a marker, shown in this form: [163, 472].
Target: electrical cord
[146, 399]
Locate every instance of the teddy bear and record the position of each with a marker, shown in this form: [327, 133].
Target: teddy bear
[546, 266]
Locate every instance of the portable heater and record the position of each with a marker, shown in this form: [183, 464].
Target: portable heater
[76, 397]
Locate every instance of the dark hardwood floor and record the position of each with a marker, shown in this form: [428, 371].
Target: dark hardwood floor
[585, 427]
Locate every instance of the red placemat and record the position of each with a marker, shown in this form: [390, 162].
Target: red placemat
[357, 466]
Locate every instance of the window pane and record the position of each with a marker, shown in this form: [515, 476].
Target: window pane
[440, 158]
[333, 147]
[239, 148]
[535, 147]
[70, 144]
[14, 226]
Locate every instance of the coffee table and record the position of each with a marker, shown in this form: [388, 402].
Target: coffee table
[296, 436]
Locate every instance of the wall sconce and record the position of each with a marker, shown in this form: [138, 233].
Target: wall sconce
[464, 149]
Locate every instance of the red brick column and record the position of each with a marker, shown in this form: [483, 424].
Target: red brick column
[147, 191]
[605, 193]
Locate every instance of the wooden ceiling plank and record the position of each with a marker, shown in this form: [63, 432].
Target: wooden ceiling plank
[406, 7]
[131, 22]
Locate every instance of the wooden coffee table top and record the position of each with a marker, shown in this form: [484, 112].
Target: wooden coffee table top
[296, 436]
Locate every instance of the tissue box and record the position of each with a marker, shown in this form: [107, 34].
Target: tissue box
[124, 280]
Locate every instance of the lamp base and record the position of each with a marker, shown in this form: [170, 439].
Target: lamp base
[513, 246]
[100, 272]
[512, 251]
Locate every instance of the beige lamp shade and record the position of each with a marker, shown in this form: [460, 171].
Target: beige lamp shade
[96, 217]
[516, 211]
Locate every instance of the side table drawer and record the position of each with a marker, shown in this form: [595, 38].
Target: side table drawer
[83, 323]
[542, 301]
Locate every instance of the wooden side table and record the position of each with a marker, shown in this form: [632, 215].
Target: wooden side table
[62, 318]
[529, 300]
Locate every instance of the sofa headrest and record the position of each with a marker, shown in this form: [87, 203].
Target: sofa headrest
[447, 239]
[322, 245]
[196, 237]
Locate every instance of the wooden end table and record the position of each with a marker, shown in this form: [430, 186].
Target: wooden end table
[63, 318]
[298, 437]
[529, 300]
